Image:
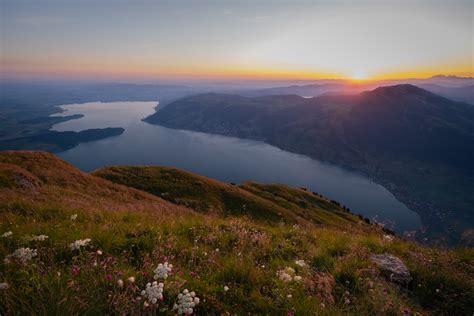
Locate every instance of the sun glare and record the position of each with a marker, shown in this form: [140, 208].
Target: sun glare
[359, 75]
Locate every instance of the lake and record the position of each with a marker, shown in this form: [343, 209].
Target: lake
[224, 158]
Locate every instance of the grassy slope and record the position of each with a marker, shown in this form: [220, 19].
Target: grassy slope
[270, 203]
[136, 230]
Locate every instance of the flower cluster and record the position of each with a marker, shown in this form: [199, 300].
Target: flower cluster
[80, 243]
[387, 238]
[300, 263]
[7, 234]
[23, 255]
[73, 217]
[4, 286]
[288, 274]
[39, 238]
[186, 303]
[153, 292]
[162, 271]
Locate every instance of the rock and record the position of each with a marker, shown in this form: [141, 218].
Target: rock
[393, 267]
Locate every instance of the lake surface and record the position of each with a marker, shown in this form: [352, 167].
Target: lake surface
[224, 158]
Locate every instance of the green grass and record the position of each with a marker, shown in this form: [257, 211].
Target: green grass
[208, 254]
[267, 203]
[221, 244]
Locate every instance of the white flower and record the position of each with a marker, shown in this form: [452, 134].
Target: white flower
[162, 271]
[288, 275]
[39, 238]
[387, 237]
[99, 252]
[187, 301]
[300, 263]
[226, 288]
[153, 292]
[119, 283]
[131, 279]
[289, 296]
[7, 234]
[73, 217]
[4, 286]
[23, 255]
[80, 243]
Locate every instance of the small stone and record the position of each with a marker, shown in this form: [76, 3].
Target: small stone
[393, 267]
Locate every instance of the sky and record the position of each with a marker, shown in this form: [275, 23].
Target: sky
[273, 39]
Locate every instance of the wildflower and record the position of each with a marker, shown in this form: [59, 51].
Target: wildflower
[120, 283]
[22, 254]
[288, 275]
[153, 292]
[99, 252]
[73, 217]
[387, 238]
[108, 277]
[437, 290]
[162, 271]
[75, 270]
[217, 249]
[300, 263]
[4, 286]
[7, 234]
[187, 301]
[39, 238]
[347, 301]
[80, 243]
[289, 296]
[322, 305]
[226, 288]
[131, 279]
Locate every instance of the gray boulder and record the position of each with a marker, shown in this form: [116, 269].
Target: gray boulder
[393, 267]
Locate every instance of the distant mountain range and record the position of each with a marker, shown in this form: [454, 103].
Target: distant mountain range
[452, 87]
[418, 144]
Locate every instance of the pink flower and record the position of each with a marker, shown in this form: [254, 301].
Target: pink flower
[108, 277]
[289, 314]
[75, 270]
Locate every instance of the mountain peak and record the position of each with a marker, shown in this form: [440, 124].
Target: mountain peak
[400, 89]
[448, 77]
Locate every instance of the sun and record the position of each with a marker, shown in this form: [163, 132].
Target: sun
[359, 75]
